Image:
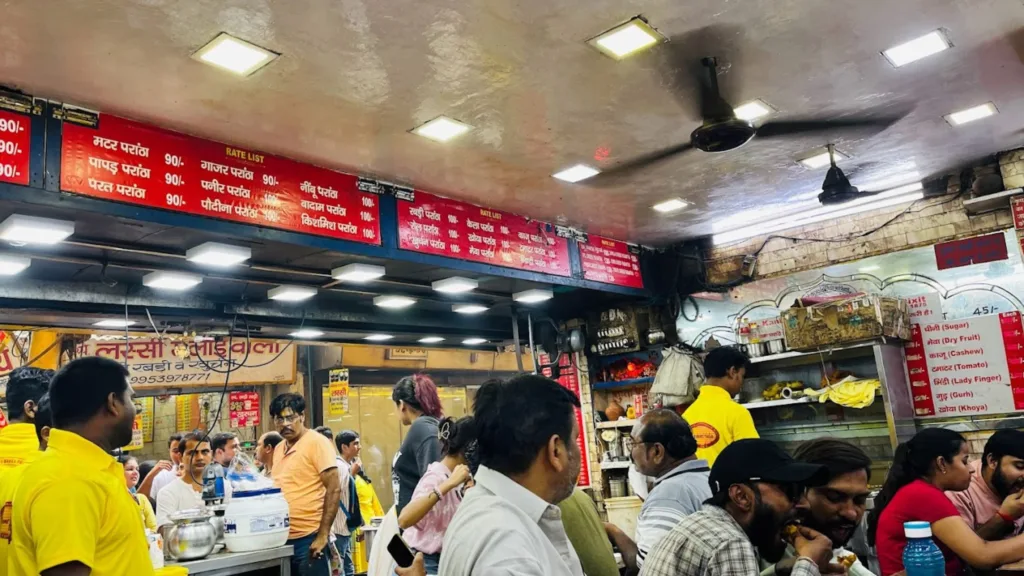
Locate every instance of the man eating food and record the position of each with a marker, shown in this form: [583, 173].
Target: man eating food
[993, 505]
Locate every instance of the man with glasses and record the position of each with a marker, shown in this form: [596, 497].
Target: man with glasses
[664, 449]
[306, 471]
[755, 486]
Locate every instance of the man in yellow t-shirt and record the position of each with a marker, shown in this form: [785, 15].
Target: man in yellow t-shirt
[10, 479]
[72, 513]
[18, 441]
[715, 419]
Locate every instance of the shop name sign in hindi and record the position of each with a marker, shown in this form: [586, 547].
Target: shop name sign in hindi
[131, 162]
[152, 362]
[967, 367]
[611, 262]
[15, 138]
[244, 409]
[433, 225]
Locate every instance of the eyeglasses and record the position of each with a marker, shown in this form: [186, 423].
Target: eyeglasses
[287, 419]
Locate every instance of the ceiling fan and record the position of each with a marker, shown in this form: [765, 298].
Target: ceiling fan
[836, 189]
[721, 130]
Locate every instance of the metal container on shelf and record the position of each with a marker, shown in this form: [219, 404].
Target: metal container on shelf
[191, 537]
[617, 486]
[627, 446]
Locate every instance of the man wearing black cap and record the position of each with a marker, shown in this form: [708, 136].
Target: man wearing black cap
[755, 486]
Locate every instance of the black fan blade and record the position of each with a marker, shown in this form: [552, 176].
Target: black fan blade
[620, 172]
[683, 73]
[799, 127]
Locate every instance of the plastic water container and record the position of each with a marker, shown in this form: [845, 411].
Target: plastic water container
[256, 520]
[922, 556]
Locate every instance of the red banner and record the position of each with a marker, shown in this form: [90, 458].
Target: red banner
[610, 261]
[130, 162]
[569, 379]
[917, 368]
[1013, 341]
[15, 137]
[244, 409]
[1017, 209]
[977, 250]
[434, 225]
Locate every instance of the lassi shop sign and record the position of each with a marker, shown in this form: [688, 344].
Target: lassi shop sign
[153, 363]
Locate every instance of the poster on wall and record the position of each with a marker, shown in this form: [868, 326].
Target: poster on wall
[153, 364]
[244, 409]
[9, 358]
[126, 161]
[611, 262]
[137, 439]
[185, 412]
[925, 308]
[337, 389]
[145, 411]
[569, 379]
[967, 367]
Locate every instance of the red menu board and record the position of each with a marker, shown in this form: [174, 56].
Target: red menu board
[610, 261]
[1017, 209]
[966, 367]
[15, 138]
[569, 379]
[131, 162]
[244, 409]
[434, 225]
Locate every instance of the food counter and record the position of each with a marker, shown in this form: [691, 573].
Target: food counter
[228, 563]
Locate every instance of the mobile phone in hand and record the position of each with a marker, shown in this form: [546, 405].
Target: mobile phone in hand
[400, 551]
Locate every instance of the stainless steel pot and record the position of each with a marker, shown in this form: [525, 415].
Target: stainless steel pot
[191, 537]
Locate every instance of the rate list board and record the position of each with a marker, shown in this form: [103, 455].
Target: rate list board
[611, 262]
[126, 161]
[433, 225]
[967, 367]
[15, 139]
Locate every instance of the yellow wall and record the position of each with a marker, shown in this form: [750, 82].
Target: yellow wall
[373, 415]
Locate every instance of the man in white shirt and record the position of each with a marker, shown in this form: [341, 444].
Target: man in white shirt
[342, 535]
[509, 524]
[186, 492]
[168, 470]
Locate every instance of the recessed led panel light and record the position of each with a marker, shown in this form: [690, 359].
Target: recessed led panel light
[378, 337]
[218, 255]
[394, 302]
[469, 308]
[291, 293]
[13, 265]
[176, 281]
[358, 273]
[21, 229]
[918, 48]
[971, 114]
[752, 110]
[576, 173]
[442, 129]
[671, 205]
[114, 323]
[431, 340]
[820, 159]
[306, 334]
[627, 39]
[454, 285]
[234, 55]
[474, 341]
[533, 296]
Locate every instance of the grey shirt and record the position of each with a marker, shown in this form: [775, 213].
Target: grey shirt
[676, 494]
[420, 449]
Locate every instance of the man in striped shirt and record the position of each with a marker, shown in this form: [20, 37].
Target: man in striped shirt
[663, 448]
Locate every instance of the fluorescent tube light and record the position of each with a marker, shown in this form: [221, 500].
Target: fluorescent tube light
[358, 273]
[291, 293]
[454, 285]
[393, 302]
[218, 255]
[176, 281]
[20, 229]
[533, 296]
[469, 308]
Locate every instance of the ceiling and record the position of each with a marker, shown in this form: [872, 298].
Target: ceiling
[356, 75]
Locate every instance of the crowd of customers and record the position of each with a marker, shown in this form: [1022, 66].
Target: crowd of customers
[494, 493]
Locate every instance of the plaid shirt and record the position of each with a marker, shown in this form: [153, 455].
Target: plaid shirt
[710, 543]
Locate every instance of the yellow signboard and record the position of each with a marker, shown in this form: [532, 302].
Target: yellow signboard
[338, 392]
[137, 442]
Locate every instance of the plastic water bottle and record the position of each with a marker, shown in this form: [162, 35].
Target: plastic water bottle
[922, 556]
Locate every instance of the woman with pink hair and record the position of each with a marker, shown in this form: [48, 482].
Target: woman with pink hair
[419, 408]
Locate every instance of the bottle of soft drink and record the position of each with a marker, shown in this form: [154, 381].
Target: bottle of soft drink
[922, 556]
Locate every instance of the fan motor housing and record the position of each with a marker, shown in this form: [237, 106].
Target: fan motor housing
[722, 135]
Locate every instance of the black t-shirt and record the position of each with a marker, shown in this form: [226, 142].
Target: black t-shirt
[420, 449]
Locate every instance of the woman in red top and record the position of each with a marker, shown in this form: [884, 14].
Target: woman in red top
[932, 462]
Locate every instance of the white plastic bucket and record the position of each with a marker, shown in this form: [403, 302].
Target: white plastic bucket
[256, 520]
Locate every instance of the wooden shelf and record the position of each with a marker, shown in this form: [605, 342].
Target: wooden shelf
[803, 354]
[623, 383]
[622, 423]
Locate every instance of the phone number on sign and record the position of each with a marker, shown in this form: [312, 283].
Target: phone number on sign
[170, 378]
